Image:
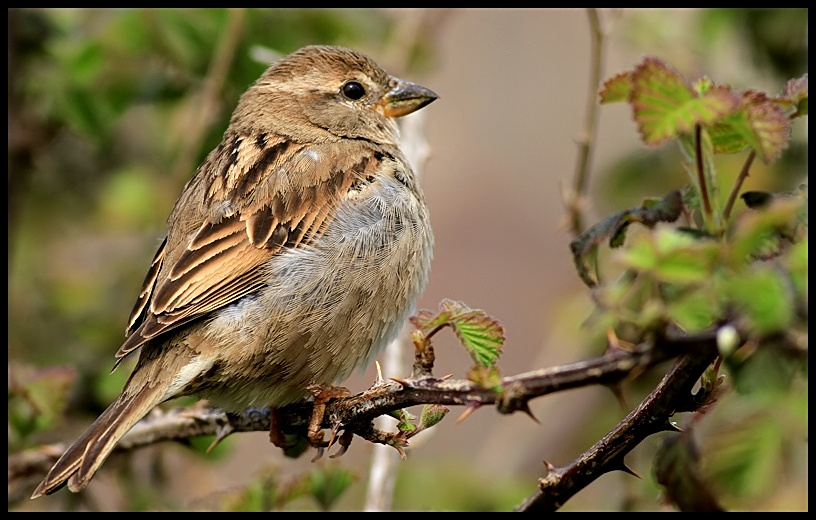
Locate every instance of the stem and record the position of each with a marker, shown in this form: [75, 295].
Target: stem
[585, 148]
[698, 153]
[743, 174]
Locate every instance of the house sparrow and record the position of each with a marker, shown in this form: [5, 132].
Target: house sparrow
[293, 255]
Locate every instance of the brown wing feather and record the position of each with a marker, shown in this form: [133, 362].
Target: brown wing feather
[268, 195]
[138, 314]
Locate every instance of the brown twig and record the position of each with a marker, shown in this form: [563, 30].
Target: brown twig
[701, 177]
[573, 200]
[743, 174]
[355, 413]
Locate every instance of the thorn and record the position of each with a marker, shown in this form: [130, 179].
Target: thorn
[469, 410]
[615, 343]
[446, 377]
[526, 409]
[670, 426]
[615, 465]
[626, 469]
[403, 382]
[549, 466]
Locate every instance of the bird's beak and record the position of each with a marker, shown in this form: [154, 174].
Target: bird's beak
[406, 97]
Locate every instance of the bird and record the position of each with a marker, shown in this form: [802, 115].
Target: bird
[293, 255]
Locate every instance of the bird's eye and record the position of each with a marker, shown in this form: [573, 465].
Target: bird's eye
[353, 90]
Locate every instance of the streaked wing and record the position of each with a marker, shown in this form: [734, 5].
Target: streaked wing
[261, 196]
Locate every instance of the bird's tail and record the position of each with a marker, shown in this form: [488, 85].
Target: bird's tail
[80, 462]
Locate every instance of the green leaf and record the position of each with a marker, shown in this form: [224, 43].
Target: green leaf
[797, 263]
[796, 92]
[761, 295]
[425, 320]
[404, 419]
[760, 123]
[84, 65]
[617, 88]
[695, 311]
[658, 95]
[481, 335]
[768, 231]
[767, 374]
[83, 111]
[665, 105]
[487, 377]
[432, 414]
[671, 256]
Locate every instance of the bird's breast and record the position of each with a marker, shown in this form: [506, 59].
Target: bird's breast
[327, 308]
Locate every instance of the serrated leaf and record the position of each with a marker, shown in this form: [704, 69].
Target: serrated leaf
[760, 123]
[796, 91]
[425, 320]
[702, 85]
[665, 105]
[658, 93]
[481, 335]
[652, 211]
[617, 88]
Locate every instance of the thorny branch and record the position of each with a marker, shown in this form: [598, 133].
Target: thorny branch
[672, 395]
[355, 414]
